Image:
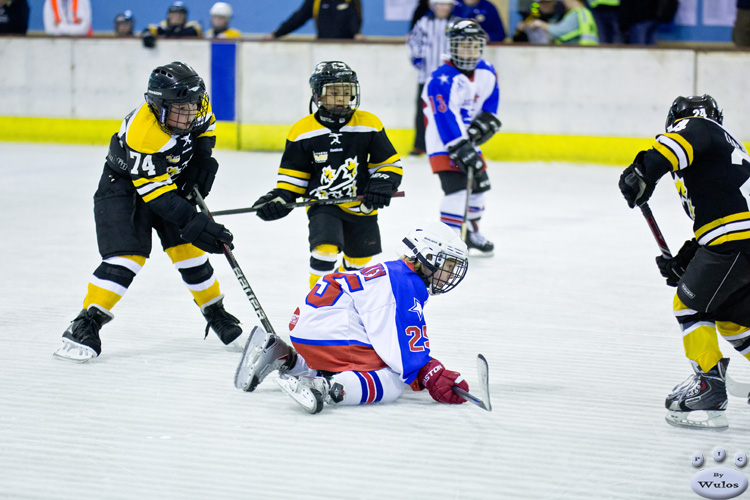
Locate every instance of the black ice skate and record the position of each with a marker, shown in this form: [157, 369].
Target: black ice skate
[475, 239]
[226, 326]
[700, 401]
[80, 341]
[263, 353]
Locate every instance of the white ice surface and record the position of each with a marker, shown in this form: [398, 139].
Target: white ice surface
[571, 314]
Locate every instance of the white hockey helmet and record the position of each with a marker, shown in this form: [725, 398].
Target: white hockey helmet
[442, 253]
[221, 9]
[447, 2]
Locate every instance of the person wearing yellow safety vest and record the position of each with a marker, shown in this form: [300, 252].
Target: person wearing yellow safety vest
[606, 14]
[577, 27]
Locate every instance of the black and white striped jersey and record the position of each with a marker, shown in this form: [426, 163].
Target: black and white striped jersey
[427, 41]
[711, 170]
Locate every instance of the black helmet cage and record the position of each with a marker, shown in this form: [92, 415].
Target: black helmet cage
[176, 83]
[694, 106]
[459, 33]
[330, 73]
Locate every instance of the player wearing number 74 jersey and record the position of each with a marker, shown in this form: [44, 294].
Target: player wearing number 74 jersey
[361, 337]
[711, 170]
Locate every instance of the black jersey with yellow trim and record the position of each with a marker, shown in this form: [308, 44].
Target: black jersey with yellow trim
[188, 30]
[711, 170]
[154, 159]
[327, 163]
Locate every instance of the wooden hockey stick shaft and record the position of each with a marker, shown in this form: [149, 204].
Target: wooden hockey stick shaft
[238, 272]
[307, 203]
[658, 236]
[469, 186]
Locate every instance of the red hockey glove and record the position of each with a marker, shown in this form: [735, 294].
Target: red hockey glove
[435, 378]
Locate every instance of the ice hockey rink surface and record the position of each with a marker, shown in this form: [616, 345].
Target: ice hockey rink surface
[571, 314]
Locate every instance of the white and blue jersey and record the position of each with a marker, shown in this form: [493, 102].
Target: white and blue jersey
[451, 102]
[364, 322]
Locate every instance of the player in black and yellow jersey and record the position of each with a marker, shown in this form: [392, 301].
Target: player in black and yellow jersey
[160, 155]
[711, 170]
[175, 25]
[338, 151]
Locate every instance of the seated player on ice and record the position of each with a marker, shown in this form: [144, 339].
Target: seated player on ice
[361, 337]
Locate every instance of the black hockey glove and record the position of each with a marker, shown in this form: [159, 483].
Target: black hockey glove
[149, 40]
[272, 204]
[635, 184]
[377, 193]
[200, 173]
[465, 156]
[674, 268]
[483, 128]
[206, 234]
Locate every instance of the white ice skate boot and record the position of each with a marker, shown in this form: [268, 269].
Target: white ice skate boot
[701, 400]
[312, 392]
[263, 353]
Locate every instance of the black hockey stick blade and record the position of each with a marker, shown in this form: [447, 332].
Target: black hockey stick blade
[306, 203]
[484, 386]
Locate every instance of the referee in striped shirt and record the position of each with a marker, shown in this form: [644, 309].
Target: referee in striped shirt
[427, 45]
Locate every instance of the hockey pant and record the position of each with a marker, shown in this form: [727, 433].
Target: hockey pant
[714, 295]
[323, 259]
[114, 275]
[360, 388]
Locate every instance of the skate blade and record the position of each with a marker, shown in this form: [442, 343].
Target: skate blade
[308, 398]
[244, 378]
[72, 352]
[699, 420]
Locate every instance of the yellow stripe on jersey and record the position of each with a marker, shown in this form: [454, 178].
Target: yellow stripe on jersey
[143, 181]
[364, 119]
[294, 173]
[686, 146]
[158, 192]
[184, 251]
[394, 162]
[305, 128]
[144, 134]
[291, 187]
[741, 216]
[668, 154]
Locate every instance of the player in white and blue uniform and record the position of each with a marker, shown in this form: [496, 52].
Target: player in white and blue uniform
[361, 337]
[461, 99]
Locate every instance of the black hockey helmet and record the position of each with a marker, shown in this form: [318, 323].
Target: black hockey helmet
[124, 22]
[178, 7]
[704, 106]
[176, 83]
[334, 78]
[467, 40]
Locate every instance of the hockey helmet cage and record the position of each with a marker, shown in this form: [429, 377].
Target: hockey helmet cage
[124, 17]
[176, 83]
[334, 77]
[694, 106]
[442, 253]
[445, 2]
[466, 40]
[178, 7]
[221, 9]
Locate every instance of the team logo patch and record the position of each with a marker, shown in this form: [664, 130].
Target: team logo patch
[173, 159]
[320, 157]
[293, 321]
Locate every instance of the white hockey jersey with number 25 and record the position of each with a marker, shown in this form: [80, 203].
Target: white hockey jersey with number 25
[364, 321]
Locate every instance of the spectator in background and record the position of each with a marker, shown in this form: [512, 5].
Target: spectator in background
[341, 19]
[485, 13]
[549, 11]
[14, 17]
[175, 26]
[428, 43]
[577, 27]
[124, 24]
[607, 16]
[221, 13]
[741, 31]
[638, 21]
[67, 17]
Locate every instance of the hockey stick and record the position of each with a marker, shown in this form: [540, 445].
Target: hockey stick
[307, 203]
[737, 389]
[469, 186]
[238, 272]
[484, 386]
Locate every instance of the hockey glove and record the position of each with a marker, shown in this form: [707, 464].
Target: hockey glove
[206, 234]
[674, 268]
[377, 193]
[200, 173]
[637, 182]
[465, 156]
[272, 204]
[418, 62]
[435, 378]
[483, 128]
